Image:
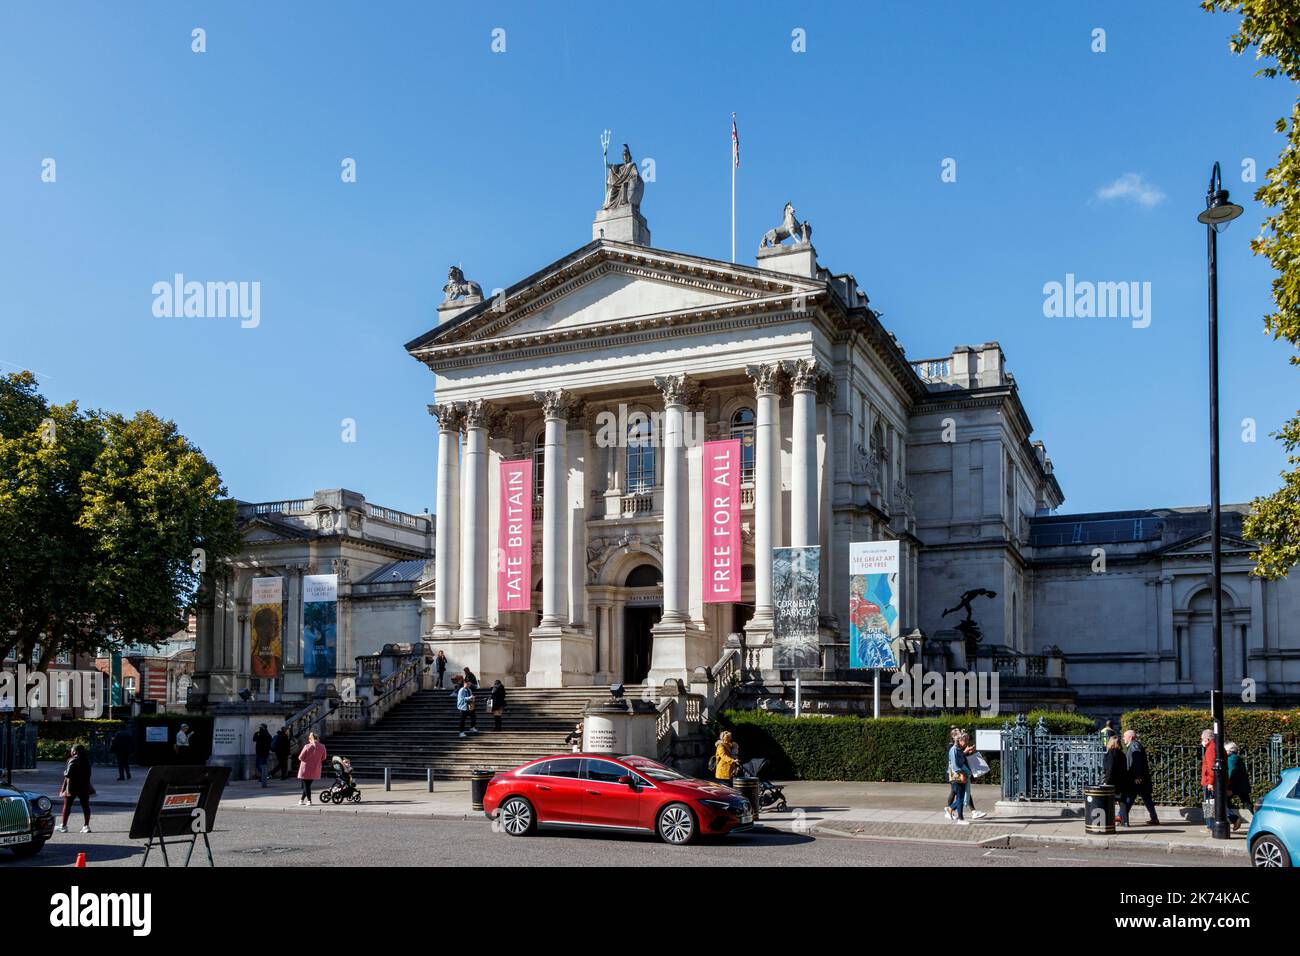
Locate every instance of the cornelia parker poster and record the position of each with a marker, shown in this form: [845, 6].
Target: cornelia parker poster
[796, 573]
[873, 603]
[319, 624]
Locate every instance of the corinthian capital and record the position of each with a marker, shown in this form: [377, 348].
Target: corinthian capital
[768, 377]
[677, 389]
[804, 374]
[559, 403]
[450, 415]
[479, 413]
[825, 388]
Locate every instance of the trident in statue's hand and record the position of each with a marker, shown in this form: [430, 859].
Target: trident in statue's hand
[604, 159]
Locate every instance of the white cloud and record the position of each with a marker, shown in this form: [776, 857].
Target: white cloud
[1133, 187]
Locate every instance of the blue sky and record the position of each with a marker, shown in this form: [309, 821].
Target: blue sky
[225, 166]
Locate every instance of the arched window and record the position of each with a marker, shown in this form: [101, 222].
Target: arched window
[539, 464]
[640, 457]
[742, 427]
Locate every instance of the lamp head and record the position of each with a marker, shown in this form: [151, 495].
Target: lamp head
[1219, 210]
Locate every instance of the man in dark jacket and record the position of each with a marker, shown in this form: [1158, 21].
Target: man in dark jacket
[121, 748]
[280, 747]
[262, 750]
[1139, 772]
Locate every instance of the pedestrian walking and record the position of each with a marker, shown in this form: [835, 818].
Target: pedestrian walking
[959, 776]
[310, 758]
[466, 705]
[76, 786]
[1207, 776]
[498, 700]
[971, 755]
[953, 734]
[726, 758]
[280, 747]
[182, 745]
[470, 678]
[1115, 772]
[440, 666]
[574, 737]
[1238, 784]
[121, 748]
[262, 751]
[1139, 772]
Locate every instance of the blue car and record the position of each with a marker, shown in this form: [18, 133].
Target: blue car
[1274, 835]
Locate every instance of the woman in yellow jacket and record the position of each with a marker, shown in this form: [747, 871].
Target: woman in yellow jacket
[726, 759]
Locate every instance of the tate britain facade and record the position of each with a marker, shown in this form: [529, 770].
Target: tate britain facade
[575, 534]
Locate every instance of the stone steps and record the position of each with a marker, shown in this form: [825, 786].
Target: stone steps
[421, 733]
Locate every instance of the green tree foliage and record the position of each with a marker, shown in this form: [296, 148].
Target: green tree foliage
[99, 518]
[1272, 28]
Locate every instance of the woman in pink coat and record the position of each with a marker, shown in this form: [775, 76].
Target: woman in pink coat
[310, 758]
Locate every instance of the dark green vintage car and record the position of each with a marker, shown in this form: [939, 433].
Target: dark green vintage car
[26, 820]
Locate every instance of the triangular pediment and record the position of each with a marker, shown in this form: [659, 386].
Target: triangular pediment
[1199, 546]
[261, 530]
[610, 286]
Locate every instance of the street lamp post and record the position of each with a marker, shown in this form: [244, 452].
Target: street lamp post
[1218, 213]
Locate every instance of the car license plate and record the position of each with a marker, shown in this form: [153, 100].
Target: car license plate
[746, 818]
[15, 839]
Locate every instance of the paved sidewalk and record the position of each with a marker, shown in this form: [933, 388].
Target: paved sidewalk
[901, 811]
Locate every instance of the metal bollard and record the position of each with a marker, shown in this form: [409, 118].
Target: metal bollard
[478, 787]
[388, 778]
[429, 773]
[1099, 809]
[747, 787]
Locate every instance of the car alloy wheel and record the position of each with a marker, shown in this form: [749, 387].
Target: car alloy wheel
[516, 816]
[677, 824]
[1269, 852]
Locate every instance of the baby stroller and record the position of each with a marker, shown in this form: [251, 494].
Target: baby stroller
[343, 787]
[770, 796]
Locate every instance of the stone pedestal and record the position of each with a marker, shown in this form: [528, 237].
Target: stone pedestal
[679, 648]
[233, 727]
[799, 259]
[561, 657]
[486, 652]
[617, 730]
[622, 224]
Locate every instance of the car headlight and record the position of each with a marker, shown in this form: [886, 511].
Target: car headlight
[717, 804]
[43, 805]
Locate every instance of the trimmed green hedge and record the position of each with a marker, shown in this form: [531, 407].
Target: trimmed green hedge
[1249, 728]
[896, 749]
[71, 731]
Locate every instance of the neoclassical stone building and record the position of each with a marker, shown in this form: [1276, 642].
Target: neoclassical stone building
[844, 437]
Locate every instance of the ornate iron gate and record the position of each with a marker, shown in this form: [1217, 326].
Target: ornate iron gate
[1040, 765]
[22, 739]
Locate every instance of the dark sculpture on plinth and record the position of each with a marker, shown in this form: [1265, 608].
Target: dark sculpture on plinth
[968, 627]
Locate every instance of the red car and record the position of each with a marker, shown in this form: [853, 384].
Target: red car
[596, 791]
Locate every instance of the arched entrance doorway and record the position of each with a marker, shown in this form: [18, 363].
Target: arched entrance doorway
[642, 608]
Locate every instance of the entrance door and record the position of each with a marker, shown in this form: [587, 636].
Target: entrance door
[638, 642]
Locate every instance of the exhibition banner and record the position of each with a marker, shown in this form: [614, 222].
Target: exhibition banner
[515, 536]
[796, 576]
[320, 594]
[267, 631]
[722, 547]
[873, 604]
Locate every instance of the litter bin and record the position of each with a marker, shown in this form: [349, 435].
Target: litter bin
[1099, 809]
[478, 781]
[748, 788]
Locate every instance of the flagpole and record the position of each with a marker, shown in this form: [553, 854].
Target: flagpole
[733, 187]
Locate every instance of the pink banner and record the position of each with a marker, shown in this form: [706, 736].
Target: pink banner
[515, 537]
[722, 548]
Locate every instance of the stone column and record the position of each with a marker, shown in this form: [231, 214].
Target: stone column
[561, 653]
[677, 390]
[767, 380]
[446, 587]
[803, 477]
[825, 513]
[480, 418]
[679, 646]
